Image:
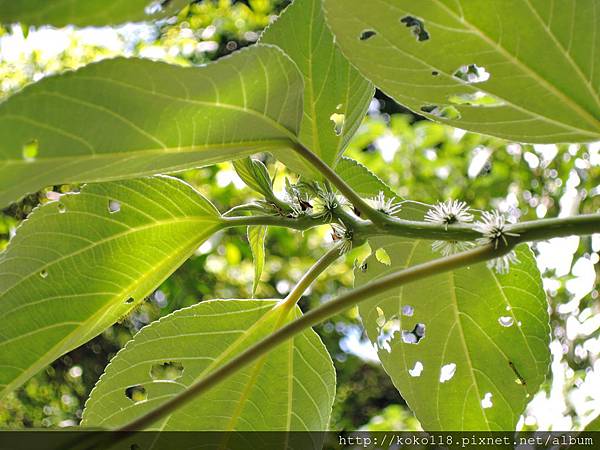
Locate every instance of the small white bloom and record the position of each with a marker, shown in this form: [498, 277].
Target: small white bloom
[326, 203]
[341, 233]
[385, 205]
[447, 213]
[447, 248]
[493, 228]
[502, 264]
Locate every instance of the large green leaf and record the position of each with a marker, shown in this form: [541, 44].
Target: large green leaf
[85, 12]
[77, 265]
[291, 388]
[336, 96]
[430, 55]
[488, 334]
[124, 118]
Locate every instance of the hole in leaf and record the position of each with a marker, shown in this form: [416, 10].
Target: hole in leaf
[435, 73]
[478, 98]
[363, 267]
[30, 150]
[416, 371]
[168, 371]
[382, 256]
[136, 393]
[386, 331]
[366, 34]
[44, 273]
[61, 207]
[446, 112]
[160, 298]
[338, 123]
[486, 401]
[129, 301]
[506, 321]
[114, 206]
[417, 26]
[414, 336]
[447, 372]
[472, 73]
[408, 310]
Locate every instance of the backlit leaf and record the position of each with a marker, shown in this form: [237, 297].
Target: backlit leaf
[291, 388]
[124, 118]
[524, 70]
[77, 265]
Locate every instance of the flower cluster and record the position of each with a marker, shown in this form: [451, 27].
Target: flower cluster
[449, 213]
[492, 227]
[326, 203]
[385, 205]
[342, 234]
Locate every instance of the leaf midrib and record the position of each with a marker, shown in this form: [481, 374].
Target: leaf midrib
[526, 68]
[508, 102]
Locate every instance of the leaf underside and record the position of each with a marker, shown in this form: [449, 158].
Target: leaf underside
[60, 13]
[125, 118]
[493, 328]
[291, 388]
[77, 265]
[336, 96]
[362, 180]
[540, 57]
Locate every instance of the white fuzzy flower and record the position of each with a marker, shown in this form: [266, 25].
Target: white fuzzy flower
[493, 228]
[385, 205]
[447, 213]
[447, 248]
[341, 233]
[326, 203]
[502, 264]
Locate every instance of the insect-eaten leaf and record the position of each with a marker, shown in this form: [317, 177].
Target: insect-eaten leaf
[290, 388]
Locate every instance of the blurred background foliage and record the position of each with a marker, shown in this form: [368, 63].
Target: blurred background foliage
[421, 160]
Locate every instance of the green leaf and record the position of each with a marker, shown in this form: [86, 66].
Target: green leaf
[291, 388]
[336, 96]
[362, 180]
[487, 333]
[594, 425]
[60, 13]
[124, 118]
[256, 238]
[77, 265]
[256, 176]
[434, 56]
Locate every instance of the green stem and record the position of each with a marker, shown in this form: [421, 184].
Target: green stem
[308, 320]
[301, 223]
[534, 230]
[579, 225]
[311, 275]
[538, 230]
